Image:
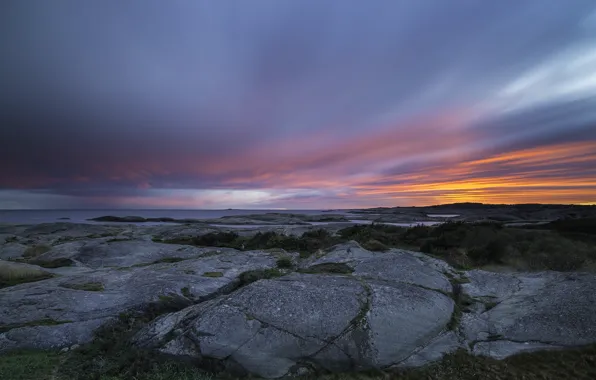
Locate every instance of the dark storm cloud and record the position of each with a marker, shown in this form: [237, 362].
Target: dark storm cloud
[128, 98]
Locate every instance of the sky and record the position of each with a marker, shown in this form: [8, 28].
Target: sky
[298, 104]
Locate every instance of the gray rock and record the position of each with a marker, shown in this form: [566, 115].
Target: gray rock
[532, 311]
[501, 349]
[393, 266]
[391, 310]
[403, 318]
[434, 350]
[56, 304]
[332, 321]
[12, 251]
[101, 253]
[50, 337]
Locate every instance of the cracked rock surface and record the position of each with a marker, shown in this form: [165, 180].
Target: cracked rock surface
[341, 310]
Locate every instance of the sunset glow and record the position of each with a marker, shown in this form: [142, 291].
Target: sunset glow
[297, 105]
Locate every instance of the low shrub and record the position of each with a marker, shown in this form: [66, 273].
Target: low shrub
[285, 262]
[374, 245]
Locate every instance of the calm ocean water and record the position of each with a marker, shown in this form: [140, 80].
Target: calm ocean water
[82, 216]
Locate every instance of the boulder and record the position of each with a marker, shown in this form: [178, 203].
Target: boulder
[12, 251]
[530, 311]
[378, 316]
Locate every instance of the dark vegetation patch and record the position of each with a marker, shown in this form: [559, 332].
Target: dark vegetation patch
[374, 245]
[463, 245]
[35, 251]
[169, 260]
[285, 262]
[307, 244]
[39, 322]
[55, 263]
[571, 364]
[340, 268]
[462, 302]
[186, 292]
[86, 286]
[576, 226]
[213, 274]
[112, 355]
[29, 365]
[258, 274]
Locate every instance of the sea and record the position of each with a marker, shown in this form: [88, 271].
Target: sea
[84, 216]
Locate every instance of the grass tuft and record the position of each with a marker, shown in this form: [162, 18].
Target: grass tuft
[12, 273]
[259, 274]
[186, 292]
[285, 262]
[56, 263]
[35, 251]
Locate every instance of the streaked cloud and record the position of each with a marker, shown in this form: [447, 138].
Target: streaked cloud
[296, 104]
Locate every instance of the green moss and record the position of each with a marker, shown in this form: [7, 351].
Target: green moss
[186, 292]
[340, 268]
[56, 263]
[285, 262]
[213, 274]
[87, 286]
[462, 302]
[168, 260]
[35, 251]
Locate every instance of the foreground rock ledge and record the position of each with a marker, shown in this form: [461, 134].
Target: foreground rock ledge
[346, 309]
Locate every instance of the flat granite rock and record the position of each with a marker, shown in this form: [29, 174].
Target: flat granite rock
[102, 253]
[344, 309]
[58, 304]
[531, 311]
[339, 322]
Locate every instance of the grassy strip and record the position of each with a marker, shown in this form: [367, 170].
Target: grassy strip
[15, 273]
[569, 364]
[463, 245]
